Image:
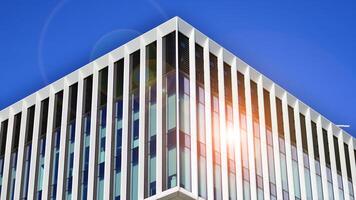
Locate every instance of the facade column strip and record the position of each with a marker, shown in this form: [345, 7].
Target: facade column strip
[276, 142]
[20, 151]
[208, 119]
[340, 139]
[333, 162]
[93, 136]
[250, 135]
[109, 131]
[159, 147]
[7, 156]
[263, 132]
[311, 155]
[322, 158]
[298, 134]
[78, 137]
[125, 129]
[288, 146]
[222, 121]
[34, 149]
[237, 131]
[63, 143]
[48, 148]
[352, 155]
[142, 111]
[193, 114]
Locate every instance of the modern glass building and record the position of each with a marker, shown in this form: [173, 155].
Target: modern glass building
[171, 115]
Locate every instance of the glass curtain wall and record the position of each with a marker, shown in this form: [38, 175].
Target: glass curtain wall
[257, 140]
[169, 110]
[118, 99]
[328, 165]
[348, 170]
[231, 135]
[101, 132]
[56, 132]
[13, 158]
[85, 137]
[151, 119]
[305, 157]
[41, 149]
[184, 112]
[317, 160]
[243, 131]
[215, 126]
[134, 108]
[27, 152]
[293, 142]
[338, 168]
[72, 111]
[200, 101]
[282, 148]
[270, 154]
[3, 137]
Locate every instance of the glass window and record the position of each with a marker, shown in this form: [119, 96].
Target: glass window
[184, 112]
[84, 151]
[215, 125]
[41, 149]
[202, 173]
[244, 148]
[118, 94]
[230, 132]
[134, 107]
[58, 103]
[27, 152]
[169, 106]
[257, 141]
[101, 131]
[151, 120]
[73, 91]
[282, 150]
[3, 136]
[14, 152]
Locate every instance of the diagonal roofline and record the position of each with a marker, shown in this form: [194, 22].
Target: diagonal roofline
[175, 23]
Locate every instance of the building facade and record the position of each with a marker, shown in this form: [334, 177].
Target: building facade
[171, 115]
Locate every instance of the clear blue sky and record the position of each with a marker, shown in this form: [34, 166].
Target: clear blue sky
[307, 47]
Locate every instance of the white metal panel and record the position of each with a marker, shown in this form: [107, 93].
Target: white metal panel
[343, 165]
[20, 151]
[322, 158]
[34, 150]
[237, 131]
[49, 136]
[288, 146]
[159, 155]
[298, 134]
[142, 111]
[222, 125]
[93, 136]
[109, 139]
[311, 155]
[125, 129]
[193, 114]
[208, 118]
[63, 143]
[333, 162]
[264, 157]
[78, 138]
[250, 136]
[276, 143]
[7, 157]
